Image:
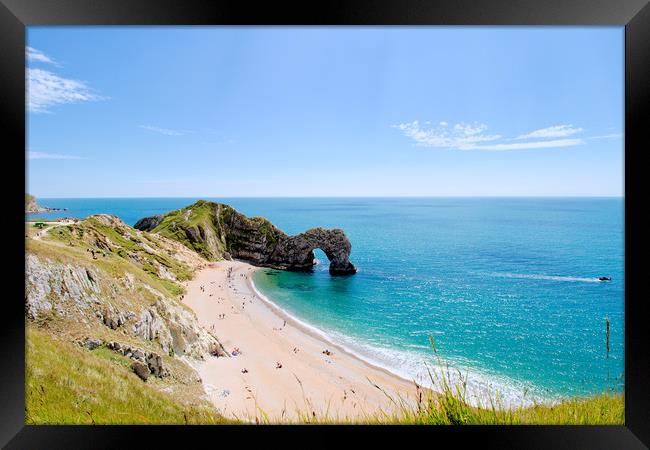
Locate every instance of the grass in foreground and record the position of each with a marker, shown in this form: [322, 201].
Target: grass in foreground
[66, 384]
[450, 408]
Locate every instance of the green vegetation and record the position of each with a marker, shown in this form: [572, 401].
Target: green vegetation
[66, 384]
[191, 226]
[118, 249]
[128, 241]
[203, 227]
[451, 408]
[29, 198]
[40, 225]
[266, 228]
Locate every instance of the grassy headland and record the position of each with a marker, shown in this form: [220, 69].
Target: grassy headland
[99, 279]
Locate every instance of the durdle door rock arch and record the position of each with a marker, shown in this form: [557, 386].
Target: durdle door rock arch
[218, 231]
[297, 252]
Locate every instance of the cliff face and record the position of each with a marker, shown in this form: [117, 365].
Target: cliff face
[103, 281]
[31, 205]
[89, 296]
[218, 231]
[106, 297]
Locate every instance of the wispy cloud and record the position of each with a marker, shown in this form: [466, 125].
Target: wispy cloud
[555, 131]
[46, 89]
[38, 56]
[527, 145]
[607, 136]
[458, 136]
[462, 136]
[165, 131]
[42, 155]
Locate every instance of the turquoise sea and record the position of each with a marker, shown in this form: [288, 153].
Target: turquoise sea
[506, 286]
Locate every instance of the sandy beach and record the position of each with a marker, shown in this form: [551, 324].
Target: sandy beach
[281, 372]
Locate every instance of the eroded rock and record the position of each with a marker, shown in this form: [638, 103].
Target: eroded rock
[218, 231]
[141, 369]
[92, 344]
[88, 294]
[148, 223]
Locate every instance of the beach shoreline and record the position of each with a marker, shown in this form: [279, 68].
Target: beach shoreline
[282, 372]
[319, 334]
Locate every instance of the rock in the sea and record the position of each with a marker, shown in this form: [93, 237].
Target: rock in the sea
[296, 252]
[218, 231]
[141, 369]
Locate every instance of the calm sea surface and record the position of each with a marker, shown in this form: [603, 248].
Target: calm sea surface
[507, 287]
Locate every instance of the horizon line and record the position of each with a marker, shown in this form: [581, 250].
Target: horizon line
[340, 196]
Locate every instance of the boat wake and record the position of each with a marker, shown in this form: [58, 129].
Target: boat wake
[547, 277]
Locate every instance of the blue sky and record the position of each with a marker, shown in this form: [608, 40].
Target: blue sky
[293, 111]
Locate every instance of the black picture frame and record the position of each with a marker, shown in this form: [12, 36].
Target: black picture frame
[634, 15]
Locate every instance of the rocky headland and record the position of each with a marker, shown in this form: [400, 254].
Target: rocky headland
[218, 231]
[32, 206]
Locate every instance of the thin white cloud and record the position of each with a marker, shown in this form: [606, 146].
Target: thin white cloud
[475, 136]
[165, 131]
[526, 145]
[607, 136]
[458, 136]
[38, 56]
[46, 89]
[42, 155]
[555, 131]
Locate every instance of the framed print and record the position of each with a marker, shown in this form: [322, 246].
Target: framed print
[357, 215]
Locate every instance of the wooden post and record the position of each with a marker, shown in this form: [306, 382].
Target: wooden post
[607, 335]
[607, 345]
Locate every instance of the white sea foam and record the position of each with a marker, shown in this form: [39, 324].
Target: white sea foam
[546, 277]
[481, 387]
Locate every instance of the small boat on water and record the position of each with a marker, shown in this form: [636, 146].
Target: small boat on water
[604, 279]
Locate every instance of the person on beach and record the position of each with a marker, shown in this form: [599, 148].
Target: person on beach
[278, 365]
